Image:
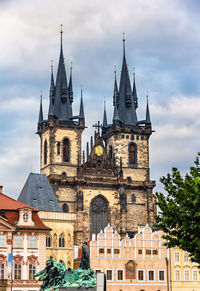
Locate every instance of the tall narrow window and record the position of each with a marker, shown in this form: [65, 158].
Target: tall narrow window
[32, 242]
[17, 271]
[2, 241]
[195, 275]
[45, 152]
[62, 241]
[186, 275]
[1, 271]
[132, 153]
[177, 275]
[66, 150]
[18, 241]
[32, 271]
[48, 241]
[110, 152]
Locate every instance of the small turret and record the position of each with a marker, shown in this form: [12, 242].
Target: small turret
[148, 119]
[135, 98]
[116, 92]
[51, 93]
[81, 111]
[104, 115]
[40, 119]
[116, 119]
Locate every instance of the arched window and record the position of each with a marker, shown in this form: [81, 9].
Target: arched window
[48, 241]
[62, 240]
[99, 213]
[132, 153]
[66, 150]
[133, 198]
[64, 175]
[110, 152]
[65, 208]
[45, 152]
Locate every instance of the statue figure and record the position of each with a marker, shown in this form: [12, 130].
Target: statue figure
[55, 274]
[85, 261]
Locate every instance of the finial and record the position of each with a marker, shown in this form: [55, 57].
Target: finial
[114, 68]
[61, 28]
[124, 36]
[134, 71]
[41, 94]
[71, 66]
[104, 101]
[51, 63]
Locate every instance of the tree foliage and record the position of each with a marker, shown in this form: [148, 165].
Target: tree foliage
[179, 214]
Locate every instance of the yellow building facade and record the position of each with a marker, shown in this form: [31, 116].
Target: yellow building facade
[60, 240]
[184, 274]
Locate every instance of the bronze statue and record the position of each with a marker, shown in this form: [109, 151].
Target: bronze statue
[56, 275]
[85, 261]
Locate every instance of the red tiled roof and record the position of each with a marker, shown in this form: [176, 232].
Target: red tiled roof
[13, 216]
[12, 206]
[8, 203]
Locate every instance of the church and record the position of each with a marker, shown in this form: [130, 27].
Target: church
[109, 183]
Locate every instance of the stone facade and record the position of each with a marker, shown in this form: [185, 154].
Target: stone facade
[110, 182]
[140, 263]
[62, 227]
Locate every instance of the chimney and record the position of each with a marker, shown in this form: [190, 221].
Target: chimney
[1, 188]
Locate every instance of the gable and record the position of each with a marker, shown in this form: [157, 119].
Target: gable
[5, 225]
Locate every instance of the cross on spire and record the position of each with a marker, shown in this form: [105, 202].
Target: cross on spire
[98, 126]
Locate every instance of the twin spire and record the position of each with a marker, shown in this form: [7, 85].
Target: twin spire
[61, 93]
[125, 100]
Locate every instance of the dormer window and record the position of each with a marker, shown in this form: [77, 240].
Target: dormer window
[25, 216]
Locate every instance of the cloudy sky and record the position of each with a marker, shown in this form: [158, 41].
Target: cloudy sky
[162, 43]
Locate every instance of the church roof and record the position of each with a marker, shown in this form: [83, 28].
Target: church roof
[37, 192]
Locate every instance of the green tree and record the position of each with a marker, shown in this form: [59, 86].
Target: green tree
[179, 210]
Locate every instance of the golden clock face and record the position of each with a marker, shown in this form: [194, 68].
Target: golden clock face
[99, 150]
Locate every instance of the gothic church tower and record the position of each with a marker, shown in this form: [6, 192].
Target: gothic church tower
[110, 183]
[61, 133]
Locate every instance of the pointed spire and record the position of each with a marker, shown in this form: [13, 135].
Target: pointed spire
[51, 92]
[40, 119]
[62, 109]
[116, 118]
[148, 119]
[91, 143]
[126, 109]
[116, 91]
[81, 111]
[87, 149]
[105, 115]
[135, 98]
[70, 88]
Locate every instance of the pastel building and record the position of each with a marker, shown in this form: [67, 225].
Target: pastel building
[140, 263]
[22, 245]
[184, 274]
[38, 193]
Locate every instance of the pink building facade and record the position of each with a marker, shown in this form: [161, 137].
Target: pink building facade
[139, 263]
[22, 245]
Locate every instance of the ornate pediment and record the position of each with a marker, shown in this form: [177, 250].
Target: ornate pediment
[98, 162]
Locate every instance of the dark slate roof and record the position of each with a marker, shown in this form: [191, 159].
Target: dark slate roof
[38, 193]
